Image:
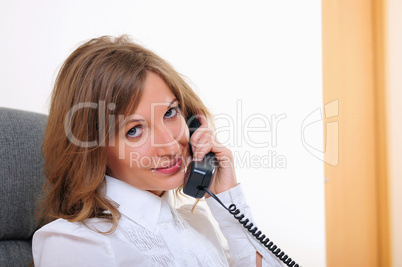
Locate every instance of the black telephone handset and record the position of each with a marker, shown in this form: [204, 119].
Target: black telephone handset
[197, 180]
[199, 174]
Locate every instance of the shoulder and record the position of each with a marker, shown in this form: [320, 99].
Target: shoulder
[60, 226]
[71, 243]
[90, 229]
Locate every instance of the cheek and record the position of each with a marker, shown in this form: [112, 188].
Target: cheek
[181, 132]
[139, 157]
[183, 137]
[113, 162]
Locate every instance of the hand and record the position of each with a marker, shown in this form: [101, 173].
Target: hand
[204, 141]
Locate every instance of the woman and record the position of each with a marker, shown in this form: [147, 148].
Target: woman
[115, 145]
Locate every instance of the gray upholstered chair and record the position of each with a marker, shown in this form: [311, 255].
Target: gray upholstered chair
[21, 180]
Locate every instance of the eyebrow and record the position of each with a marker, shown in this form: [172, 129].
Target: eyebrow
[137, 120]
[171, 103]
[133, 120]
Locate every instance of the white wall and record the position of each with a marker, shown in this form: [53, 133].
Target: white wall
[257, 59]
[395, 124]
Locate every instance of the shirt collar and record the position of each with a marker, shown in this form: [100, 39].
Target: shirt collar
[139, 205]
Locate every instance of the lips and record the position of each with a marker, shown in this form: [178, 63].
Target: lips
[173, 167]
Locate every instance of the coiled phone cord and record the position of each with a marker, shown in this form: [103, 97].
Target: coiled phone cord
[254, 231]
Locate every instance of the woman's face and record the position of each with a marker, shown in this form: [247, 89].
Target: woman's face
[151, 149]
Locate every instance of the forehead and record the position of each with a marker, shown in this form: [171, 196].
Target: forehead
[155, 93]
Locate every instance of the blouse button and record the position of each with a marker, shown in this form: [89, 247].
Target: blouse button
[185, 263]
[165, 226]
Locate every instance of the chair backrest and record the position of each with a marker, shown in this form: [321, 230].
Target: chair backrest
[21, 181]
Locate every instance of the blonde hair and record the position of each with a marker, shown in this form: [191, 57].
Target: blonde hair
[103, 70]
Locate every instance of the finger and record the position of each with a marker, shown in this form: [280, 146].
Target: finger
[225, 161]
[199, 133]
[202, 146]
[203, 120]
[215, 141]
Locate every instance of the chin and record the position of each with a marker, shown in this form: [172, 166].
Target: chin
[176, 181]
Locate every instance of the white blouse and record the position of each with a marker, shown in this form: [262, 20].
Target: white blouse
[151, 232]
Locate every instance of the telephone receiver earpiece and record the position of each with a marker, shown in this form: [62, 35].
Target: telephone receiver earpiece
[199, 174]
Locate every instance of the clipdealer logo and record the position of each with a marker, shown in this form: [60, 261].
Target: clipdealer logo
[255, 131]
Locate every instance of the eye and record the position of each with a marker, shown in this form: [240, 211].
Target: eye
[172, 112]
[134, 132]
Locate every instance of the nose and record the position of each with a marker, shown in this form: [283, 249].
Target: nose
[164, 142]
